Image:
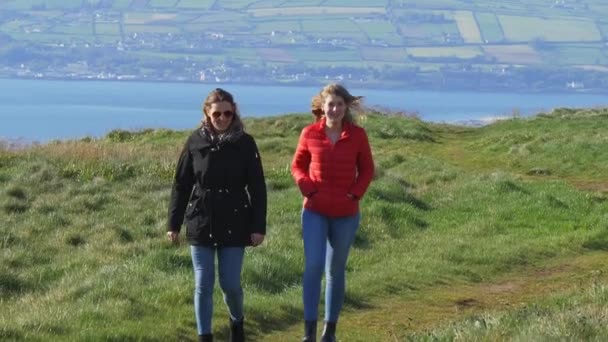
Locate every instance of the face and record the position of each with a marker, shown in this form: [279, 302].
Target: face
[334, 108]
[221, 115]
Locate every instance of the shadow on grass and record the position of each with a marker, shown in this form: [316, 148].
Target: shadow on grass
[273, 275]
[290, 316]
[362, 240]
[597, 242]
[399, 194]
[510, 186]
[556, 203]
[169, 261]
[8, 334]
[11, 285]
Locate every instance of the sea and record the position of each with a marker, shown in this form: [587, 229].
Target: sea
[38, 111]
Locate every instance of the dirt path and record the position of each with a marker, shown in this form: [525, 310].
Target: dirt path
[391, 319]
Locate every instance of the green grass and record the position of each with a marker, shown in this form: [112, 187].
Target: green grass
[129, 29]
[112, 29]
[428, 32]
[576, 316]
[467, 25]
[489, 26]
[84, 255]
[74, 30]
[233, 4]
[344, 55]
[162, 3]
[329, 26]
[526, 29]
[283, 26]
[355, 3]
[384, 54]
[576, 54]
[435, 52]
[121, 4]
[198, 4]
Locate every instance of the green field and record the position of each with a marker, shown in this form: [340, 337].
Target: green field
[130, 29]
[107, 29]
[476, 234]
[162, 3]
[266, 27]
[513, 54]
[527, 29]
[326, 56]
[490, 28]
[197, 4]
[384, 54]
[589, 55]
[121, 4]
[526, 37]
[380, 30]
[469, 31]
[85, 29]
[432, 52]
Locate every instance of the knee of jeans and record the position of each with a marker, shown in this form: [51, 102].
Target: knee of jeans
[204, 290]
[335, 274]
[315, 267]
[232, 290]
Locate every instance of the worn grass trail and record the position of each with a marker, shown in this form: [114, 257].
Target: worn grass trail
[417, 314]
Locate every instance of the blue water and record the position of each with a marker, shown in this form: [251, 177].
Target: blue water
[36, 110]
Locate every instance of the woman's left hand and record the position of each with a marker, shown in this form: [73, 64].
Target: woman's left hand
[257, 239]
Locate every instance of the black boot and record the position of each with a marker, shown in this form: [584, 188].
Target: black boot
[237, 331]
[329, 332]
[205, 338]
[310, 331]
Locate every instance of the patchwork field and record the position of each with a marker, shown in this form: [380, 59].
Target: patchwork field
[311, 34]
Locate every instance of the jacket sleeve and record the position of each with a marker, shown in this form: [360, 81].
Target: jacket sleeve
[300, 166]
[365, 167]
[256, 187]
[181, 190]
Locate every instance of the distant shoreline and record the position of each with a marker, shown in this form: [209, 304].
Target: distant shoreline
[354, 85]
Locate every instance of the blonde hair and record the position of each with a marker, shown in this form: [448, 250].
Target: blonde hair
[221, 95]
[353, 103]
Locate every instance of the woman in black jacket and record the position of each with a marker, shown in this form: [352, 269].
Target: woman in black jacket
[219, 191]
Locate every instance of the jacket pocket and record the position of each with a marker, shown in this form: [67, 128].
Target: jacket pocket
[193, 208]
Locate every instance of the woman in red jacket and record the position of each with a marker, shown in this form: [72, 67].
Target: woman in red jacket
[333, 167]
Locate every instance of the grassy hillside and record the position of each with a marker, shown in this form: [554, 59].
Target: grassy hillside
[452, 210]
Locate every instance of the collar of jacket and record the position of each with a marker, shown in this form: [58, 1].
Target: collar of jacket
[198, 141]
[346, 127]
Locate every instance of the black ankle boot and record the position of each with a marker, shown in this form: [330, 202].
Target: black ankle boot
[205, 338]
[237, 331]
[329, 332]
[310, 331]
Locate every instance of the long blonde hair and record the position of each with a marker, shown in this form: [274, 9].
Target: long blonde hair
[353, 103]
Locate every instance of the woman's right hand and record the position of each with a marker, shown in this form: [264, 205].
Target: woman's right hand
[172, 236]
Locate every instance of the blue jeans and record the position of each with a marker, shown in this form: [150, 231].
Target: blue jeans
[230, 263]
[327, 242]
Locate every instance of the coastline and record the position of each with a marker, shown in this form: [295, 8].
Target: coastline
[379, 86]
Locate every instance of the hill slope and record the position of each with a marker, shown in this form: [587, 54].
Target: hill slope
[84, 254]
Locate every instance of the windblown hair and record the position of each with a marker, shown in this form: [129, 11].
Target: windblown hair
[220, 95]
[353, 103]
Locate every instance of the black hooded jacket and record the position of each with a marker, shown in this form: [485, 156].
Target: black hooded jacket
[220, 191]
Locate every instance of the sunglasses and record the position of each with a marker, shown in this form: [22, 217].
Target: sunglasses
[227, 114]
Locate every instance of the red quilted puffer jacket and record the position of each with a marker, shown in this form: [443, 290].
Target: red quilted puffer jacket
[326, 173]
